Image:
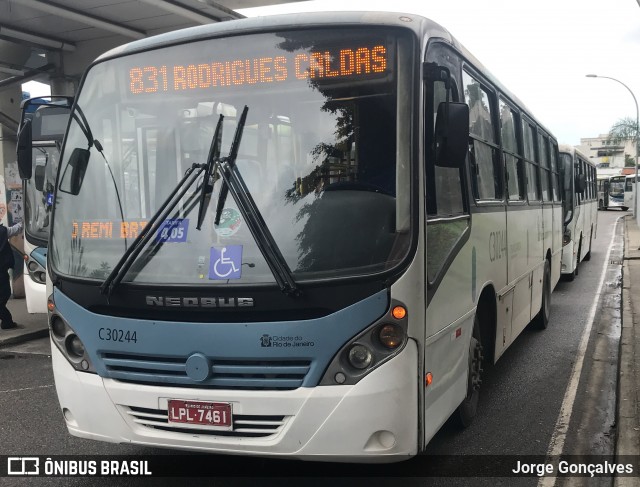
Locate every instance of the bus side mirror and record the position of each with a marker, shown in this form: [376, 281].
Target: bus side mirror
[580, 183]
[24, 151]
[452, 134]
[78, 161]
[38, 177]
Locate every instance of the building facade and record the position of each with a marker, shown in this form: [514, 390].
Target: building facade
[608, 156]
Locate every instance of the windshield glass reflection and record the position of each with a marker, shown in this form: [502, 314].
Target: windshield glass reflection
[318, 156]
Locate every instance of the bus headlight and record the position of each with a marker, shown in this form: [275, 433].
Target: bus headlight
[58, 327]
[74, 346]
[36, 272]
[374, 346]
[67, 341]
[360, 356]
[391, 336]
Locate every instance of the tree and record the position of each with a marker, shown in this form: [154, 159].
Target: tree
[623, 130]
[629, 161]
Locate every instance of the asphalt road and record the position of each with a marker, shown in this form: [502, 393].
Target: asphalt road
[521, 400]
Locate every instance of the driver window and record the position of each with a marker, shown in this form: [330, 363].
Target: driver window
[447, 212]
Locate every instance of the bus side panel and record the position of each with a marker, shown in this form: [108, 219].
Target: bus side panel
[537, 250]
[556, 236]
[556, 253]
[451, 312]
[446, 357]
[519, 272]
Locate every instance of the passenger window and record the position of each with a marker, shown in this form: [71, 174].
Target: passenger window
[555, 172]
[513, 162]
[545, 173]
[532, 166]
[485, 175]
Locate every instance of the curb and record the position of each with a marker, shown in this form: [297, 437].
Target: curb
[24, 337]
[628, 437]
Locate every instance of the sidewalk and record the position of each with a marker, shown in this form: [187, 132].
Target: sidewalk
[30, 326]
[628, 407]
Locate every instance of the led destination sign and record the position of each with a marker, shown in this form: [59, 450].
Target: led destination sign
[356, 62]
[106, 229]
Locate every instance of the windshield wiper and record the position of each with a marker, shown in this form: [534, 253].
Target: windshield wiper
[207, 184]
[231, 159]
[234, 183]
[152, 226]
[157, 220]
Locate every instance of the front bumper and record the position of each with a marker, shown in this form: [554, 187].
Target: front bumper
[375, 420]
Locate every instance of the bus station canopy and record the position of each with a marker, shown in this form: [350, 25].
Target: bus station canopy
[42, 38]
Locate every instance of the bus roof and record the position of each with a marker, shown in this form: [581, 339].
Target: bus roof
[569, 149]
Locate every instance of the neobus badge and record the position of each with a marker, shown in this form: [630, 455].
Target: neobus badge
[174, 301]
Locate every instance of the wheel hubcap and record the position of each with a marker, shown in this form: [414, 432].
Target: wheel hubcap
[475, 378]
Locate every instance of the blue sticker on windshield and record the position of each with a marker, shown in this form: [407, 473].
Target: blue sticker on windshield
[225, 263]
[173, 230]
[49, 199]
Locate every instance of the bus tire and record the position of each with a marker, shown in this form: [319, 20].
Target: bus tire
[587, 256]
[469, 406]
[541, 320]
[576, 271]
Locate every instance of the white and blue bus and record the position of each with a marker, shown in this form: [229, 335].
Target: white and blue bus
[616, 192]
[38, 190]
[580, 201]
[297, 236]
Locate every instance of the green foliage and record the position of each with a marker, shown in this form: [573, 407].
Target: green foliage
[623, 130]
[629, 161]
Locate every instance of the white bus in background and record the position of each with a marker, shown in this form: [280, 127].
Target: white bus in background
[616, 192]
[38, 190]
[391, 218]
[580, 205]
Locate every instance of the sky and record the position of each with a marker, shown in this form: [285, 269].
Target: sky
[34, 88]
[540, 50]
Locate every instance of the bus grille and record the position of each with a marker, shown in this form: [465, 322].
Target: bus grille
[244, 426]
[224, 374]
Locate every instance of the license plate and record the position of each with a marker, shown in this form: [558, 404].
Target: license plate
[215, 414]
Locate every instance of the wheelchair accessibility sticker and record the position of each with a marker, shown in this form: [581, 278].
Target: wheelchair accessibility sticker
[225, 263]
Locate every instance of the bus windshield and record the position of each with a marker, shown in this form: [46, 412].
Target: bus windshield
[321, 154]
[616, 187]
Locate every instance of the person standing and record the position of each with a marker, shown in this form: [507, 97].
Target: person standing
[6, 262]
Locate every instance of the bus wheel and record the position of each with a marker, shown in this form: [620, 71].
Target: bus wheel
[587, 256]
[541, 321]
[469, 406]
